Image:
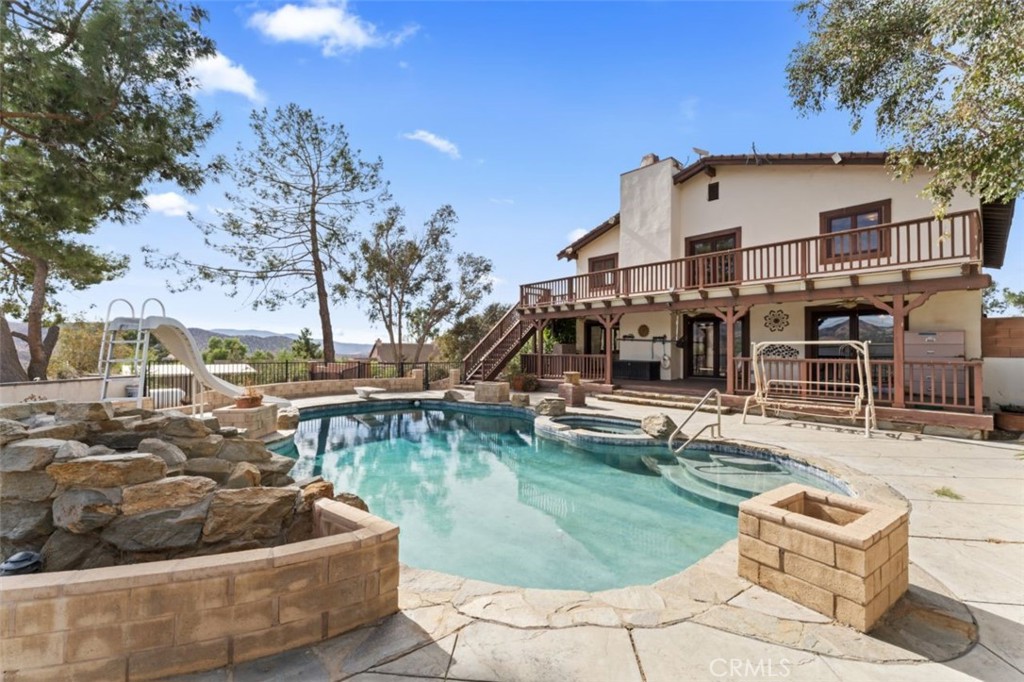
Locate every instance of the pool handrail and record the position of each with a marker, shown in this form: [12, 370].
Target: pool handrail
[715, 427]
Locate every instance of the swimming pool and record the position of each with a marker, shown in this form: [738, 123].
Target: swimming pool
[477, 494]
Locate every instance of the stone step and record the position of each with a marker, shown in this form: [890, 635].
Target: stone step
[685, 485]
[661, 400]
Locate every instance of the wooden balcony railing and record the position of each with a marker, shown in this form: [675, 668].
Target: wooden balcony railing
[945, 384]
[553, 366]
[929, 240]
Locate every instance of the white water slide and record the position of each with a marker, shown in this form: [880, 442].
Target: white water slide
[176, 338]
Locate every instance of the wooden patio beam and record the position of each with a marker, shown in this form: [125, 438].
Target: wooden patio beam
[878, 290]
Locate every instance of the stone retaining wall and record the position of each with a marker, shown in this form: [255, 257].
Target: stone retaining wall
[313, 389]
[153, 620]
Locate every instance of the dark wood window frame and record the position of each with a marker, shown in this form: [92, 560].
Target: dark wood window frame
[813, 313]
[827, 254]
[600, 278]
[737, 263]
[741, 350]
[713, 191]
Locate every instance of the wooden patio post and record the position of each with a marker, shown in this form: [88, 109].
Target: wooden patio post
[608, 321]
[729, 317]
[539, 340]
[899, 325]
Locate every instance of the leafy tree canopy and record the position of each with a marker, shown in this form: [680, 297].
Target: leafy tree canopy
[945, 79]
[305, 347]
[405, 281]
[96, 102]
[224, 349]
[998, 300]
[297, 191]
[464, 334]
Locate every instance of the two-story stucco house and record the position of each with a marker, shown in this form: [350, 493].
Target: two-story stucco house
[701, 261]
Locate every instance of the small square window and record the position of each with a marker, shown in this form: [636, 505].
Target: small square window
[713, 191]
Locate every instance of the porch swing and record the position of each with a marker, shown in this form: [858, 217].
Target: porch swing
[842, 387]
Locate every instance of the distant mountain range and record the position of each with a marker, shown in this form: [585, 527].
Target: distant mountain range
[253, 339]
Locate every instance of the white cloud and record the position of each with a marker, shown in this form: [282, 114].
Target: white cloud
[327, 23]
[170, 204]
[576, 234]
[439, 143]
[220, 73]
[503, 202]
[403, 65]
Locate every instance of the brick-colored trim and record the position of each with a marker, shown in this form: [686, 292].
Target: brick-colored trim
[148, 621]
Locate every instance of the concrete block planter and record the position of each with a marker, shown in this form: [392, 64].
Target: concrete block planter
[491, 392]
[842, 557]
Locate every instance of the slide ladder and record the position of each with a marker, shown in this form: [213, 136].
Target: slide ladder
[125, 331]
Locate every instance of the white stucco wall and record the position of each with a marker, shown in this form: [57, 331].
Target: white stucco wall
[795, 331]
[646, 198]
[952, 310]
[659, 324]
[778, 202]
[606, 244]
[1004, 380]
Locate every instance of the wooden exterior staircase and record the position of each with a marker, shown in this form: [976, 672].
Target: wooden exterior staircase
[498, 346]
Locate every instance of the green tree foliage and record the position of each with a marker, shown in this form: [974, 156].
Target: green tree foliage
[224, 349]
[96, 101]
[464, 334]
[998, 300]
[304, 346]
[298, 190]
[406, 282]
[78, 349]
[945, 79]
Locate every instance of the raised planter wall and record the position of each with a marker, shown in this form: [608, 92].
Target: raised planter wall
[312, 389]
[148, 621]
[842, 557]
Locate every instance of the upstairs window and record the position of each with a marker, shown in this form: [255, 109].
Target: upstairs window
[863, 244]
[713, 191]
[602, 265]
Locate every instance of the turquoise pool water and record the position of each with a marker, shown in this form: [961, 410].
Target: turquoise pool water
[480, 496]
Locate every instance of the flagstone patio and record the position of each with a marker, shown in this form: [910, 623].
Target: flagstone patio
[706, 623]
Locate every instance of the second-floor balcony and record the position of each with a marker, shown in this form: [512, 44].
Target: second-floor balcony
[892, 247]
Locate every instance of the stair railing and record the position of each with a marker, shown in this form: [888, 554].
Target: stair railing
[715, 427]
[475, 358]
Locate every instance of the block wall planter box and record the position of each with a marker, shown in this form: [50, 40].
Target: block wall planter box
[491, 392]
[842, 557]
[573, 394]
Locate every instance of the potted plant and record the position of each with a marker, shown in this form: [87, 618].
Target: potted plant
[1010, 418]
[251, 397]
[525, 382]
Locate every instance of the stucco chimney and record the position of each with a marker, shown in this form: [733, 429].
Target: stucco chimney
[649, 160]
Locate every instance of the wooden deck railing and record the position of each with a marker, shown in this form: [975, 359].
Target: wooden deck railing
[553, 366]
[954, 238]
[945, 384]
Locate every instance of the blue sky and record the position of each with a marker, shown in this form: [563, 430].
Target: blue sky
[521, 115]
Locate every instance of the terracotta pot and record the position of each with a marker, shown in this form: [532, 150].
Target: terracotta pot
[1009, 421]
[248, 401]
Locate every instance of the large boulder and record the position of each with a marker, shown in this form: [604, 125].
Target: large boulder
[34, 486]
[31, 454]
[83, 510]
[73, 449]
[168, 452]
[244, 475]
[244, 450]
[208, 446]
[76, 412]
[22, 520]
[277, 464]
[658, 426]
[151, 423]
[453, 396]
[61, 431]
[248, 513]
[313, 492]
[167, 493]
[108, 471]
[185, 427]
[551, 407]
[157, 530]
[287, 418]
[352, 500]
[17, 411]
[11, 430]
[215, 469]
[66, 551]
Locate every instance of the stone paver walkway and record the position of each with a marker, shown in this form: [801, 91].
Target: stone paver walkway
[706, 623]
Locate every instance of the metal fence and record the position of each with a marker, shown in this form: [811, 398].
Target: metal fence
[172, 374]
